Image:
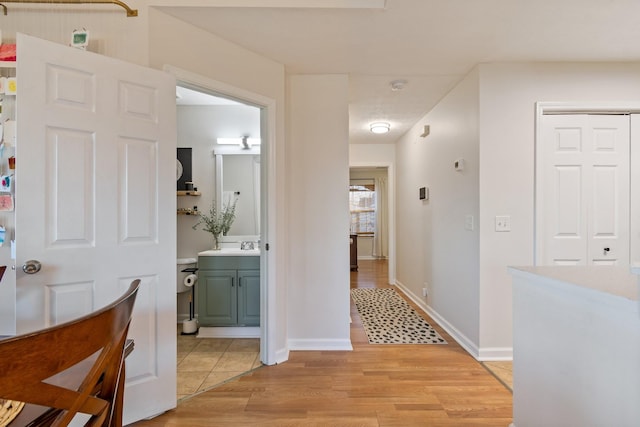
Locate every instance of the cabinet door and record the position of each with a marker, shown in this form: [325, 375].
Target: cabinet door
[217, 298]
[249, 297]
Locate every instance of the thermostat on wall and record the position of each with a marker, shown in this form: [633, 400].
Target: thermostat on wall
[459, 164]
[424, 193]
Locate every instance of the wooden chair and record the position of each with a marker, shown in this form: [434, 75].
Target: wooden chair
[74, 367]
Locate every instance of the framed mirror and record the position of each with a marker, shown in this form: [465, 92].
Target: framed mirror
[238, 178]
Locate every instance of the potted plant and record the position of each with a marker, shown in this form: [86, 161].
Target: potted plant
[217, 223]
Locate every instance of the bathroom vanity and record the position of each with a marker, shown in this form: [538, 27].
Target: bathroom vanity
[229, 287]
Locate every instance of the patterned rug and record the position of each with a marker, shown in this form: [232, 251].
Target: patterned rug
[388, 319]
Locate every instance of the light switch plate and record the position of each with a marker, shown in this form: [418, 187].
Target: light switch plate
[468, 223]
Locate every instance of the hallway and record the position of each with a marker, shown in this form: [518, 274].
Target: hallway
[373, 385]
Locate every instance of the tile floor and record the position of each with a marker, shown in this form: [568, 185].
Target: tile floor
[206, 362]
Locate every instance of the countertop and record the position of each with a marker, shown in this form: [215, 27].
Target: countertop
[231, 252]
[617, 281]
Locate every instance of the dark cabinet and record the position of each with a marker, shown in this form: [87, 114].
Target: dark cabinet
[353, 252]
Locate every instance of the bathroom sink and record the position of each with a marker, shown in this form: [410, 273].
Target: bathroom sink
[231, 252]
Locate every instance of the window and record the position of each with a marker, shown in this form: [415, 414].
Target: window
[362, 205]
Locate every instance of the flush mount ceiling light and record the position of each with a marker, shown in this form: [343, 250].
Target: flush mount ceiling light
[397, 85]
[379, 127]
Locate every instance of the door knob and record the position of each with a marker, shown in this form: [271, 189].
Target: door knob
[606, 251]
[31, 267]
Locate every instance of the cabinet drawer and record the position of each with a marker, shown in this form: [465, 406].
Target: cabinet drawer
[228, 262]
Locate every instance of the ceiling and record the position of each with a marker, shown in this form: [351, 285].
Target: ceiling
[432, 44]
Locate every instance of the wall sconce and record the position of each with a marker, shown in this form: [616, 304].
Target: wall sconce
[242, 142]
[380, 127]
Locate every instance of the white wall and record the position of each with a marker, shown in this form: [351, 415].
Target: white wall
[489, 120]
[318, 214]
[434, 250]
[508, 93]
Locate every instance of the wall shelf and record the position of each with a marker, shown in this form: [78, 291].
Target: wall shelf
[188, 212]
[188, 193]
[7, 64]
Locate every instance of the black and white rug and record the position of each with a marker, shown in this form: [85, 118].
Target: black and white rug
[388, 319]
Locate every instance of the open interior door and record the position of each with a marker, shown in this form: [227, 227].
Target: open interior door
[95, 203]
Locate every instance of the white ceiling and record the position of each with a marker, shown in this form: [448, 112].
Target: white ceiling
[432, 44]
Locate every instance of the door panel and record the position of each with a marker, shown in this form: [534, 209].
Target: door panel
[218, 298]
[138, 188]
[585, 191]
[68, 175]
[249, 297]
[96, 203]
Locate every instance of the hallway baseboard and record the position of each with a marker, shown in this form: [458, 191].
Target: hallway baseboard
[229, 332]
[458, 336]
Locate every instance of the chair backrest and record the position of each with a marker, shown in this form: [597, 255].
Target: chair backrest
[53, 354]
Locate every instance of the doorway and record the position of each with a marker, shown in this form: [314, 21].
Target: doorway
[368, 206]
[387, 169]
[584, 206]
[231, 130]
[266, 205]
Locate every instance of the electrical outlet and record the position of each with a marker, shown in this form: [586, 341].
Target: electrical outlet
[503, 223]
[425, 292]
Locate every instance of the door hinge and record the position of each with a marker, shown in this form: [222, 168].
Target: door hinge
[266, 247]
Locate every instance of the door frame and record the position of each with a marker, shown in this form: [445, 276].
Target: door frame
[546, 108]
[391, 208]
[268, 303]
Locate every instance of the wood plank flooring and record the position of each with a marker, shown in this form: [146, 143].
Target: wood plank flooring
[373, 385]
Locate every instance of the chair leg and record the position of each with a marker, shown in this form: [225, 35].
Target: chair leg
[118, 402]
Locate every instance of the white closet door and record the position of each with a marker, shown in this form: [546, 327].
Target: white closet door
[585, 191]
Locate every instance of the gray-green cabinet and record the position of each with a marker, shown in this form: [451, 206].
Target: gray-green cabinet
[229, 290]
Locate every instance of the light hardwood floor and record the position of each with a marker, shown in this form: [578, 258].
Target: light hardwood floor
[373, 385]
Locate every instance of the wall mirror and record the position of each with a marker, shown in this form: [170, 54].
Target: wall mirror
[237, 177]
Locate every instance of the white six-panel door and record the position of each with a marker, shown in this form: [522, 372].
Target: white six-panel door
[585, 190]
[95, 203]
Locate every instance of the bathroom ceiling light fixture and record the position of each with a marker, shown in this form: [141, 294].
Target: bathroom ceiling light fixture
[241, 141]
[379, 127]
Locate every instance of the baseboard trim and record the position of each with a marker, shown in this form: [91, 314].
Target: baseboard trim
[458, 336]
[281, 356]
[229, 332]
[319, 345]
[495, 354]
